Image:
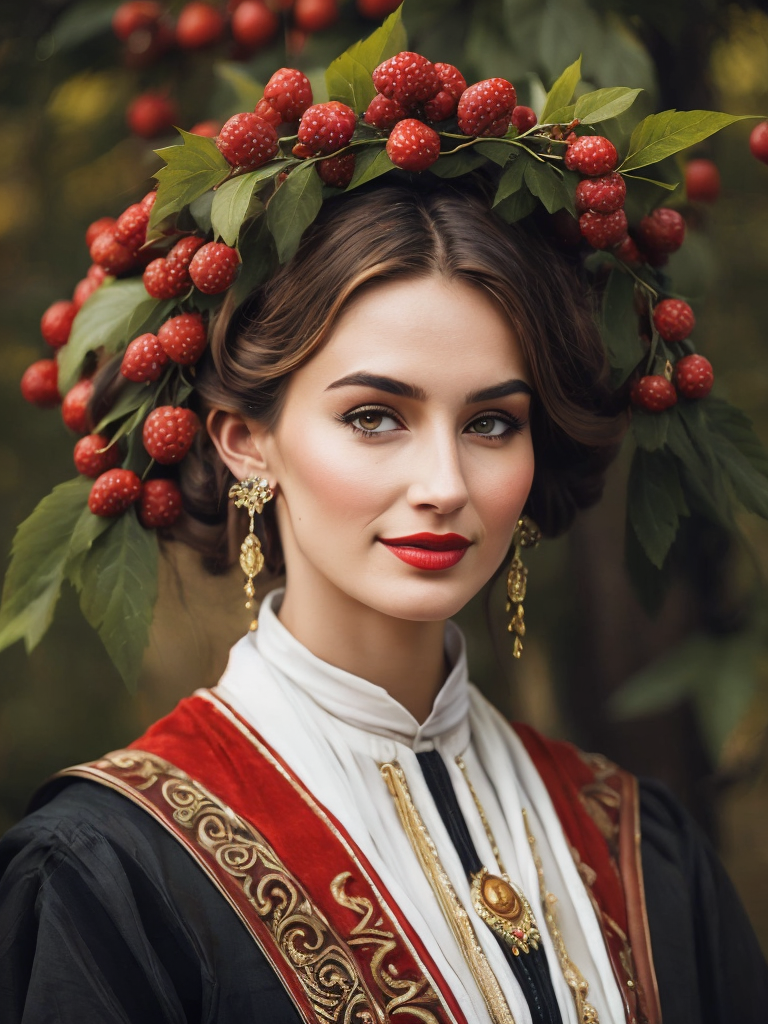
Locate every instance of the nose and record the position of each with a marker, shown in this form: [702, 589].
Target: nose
[438, 481]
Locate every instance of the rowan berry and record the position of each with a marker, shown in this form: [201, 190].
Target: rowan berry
[144, 359]
[408, 78]
[694, 376]
[673, 319]
[160, 503]
[114, 492]
[653, 393]
[74, 408]
[486, 107]
[56, 323]
[40, 384]
[326, 127]
[247, 141]
[604, 194]
[93, 455]
[603, 230]
[662, 232]
[168, 433]
[592, 155]
[413, 145]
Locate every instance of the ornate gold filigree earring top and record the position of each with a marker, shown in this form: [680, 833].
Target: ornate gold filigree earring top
[252, 494]
[526, 535]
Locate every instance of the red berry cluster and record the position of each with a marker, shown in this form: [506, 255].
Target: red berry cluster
[118, 247]
[167, 435]
[600, 197]
[692, 377]
[412, 94]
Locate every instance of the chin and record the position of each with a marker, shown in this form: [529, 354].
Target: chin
[424, 601]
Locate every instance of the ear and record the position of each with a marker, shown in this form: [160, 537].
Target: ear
[239, 442]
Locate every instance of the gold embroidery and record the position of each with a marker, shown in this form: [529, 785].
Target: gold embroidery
[576, 981]
[452, 907]
[404, 996]
[223, 709]
[328, 974]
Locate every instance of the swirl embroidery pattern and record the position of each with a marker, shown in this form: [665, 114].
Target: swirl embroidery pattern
[403, 995]
[326, 969]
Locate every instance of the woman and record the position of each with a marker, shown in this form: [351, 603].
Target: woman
[344, 829]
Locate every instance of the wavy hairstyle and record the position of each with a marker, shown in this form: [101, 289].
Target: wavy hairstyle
[383, 233]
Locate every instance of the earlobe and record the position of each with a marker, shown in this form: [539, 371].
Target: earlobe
[238, 441]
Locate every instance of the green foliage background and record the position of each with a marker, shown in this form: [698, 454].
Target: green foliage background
[683, 695]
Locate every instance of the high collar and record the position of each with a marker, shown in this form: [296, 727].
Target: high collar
[356, 701]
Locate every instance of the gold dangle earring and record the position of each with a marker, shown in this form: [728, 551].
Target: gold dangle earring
[252, 494]
[526, 535]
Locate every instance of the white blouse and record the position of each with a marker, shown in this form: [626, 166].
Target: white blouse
[335, 729]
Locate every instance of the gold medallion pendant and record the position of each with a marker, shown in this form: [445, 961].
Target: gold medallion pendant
[505, 910]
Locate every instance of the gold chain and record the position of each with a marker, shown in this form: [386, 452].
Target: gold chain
[450, 904]
[576, 981]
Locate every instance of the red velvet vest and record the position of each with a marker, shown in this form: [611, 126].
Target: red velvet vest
[332, 932]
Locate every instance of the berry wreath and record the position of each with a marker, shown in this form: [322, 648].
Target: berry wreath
[230, 210]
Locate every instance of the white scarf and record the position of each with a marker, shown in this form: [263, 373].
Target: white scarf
[334, 729]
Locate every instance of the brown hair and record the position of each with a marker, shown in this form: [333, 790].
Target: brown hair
[395, 231]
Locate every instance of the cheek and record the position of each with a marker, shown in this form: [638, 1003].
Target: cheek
[322, 476]
[499, 497]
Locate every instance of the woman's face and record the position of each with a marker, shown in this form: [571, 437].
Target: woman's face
[403, 454]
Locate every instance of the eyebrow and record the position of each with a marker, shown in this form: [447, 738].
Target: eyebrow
[392, 386]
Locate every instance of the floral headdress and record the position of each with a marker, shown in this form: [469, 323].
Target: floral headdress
[228, 211]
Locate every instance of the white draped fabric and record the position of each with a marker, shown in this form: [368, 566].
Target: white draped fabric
[334, 729]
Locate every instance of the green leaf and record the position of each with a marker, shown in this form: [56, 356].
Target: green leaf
[200, 211]
[548, 185]
[660, 135]
[190, 170]
[88, 529]
[114, 315]
[452, 165]
[603, 104]
[649, 583]
[619, 326]
[39, 557]
[370, 162]
[561, 92]
[516, 206]
[741, 459]
[349, 77]
[563, 115]
[131, 397]
[688, 439]
[649, 429]
[293, 207]
[119, 589]
[499, 152]
[737, 427]
[511, 181]
[655, 502]
[232, 203]
[670, 186]
[257, 251]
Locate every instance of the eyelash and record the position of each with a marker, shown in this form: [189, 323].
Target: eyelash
[515, 425]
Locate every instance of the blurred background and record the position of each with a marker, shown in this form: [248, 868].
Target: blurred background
[673, 685]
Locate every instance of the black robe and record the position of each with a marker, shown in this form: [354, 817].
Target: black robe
[104, 917]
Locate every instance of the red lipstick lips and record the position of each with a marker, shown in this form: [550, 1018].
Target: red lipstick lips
[428, 550]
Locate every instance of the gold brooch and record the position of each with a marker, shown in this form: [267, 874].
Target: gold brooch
[505, 910]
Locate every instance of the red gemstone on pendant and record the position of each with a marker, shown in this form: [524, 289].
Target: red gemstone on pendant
[518, 933]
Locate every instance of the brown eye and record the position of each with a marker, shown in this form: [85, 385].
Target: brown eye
[484, 426]
[370, 420]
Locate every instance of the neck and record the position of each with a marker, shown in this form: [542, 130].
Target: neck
[405, 658]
